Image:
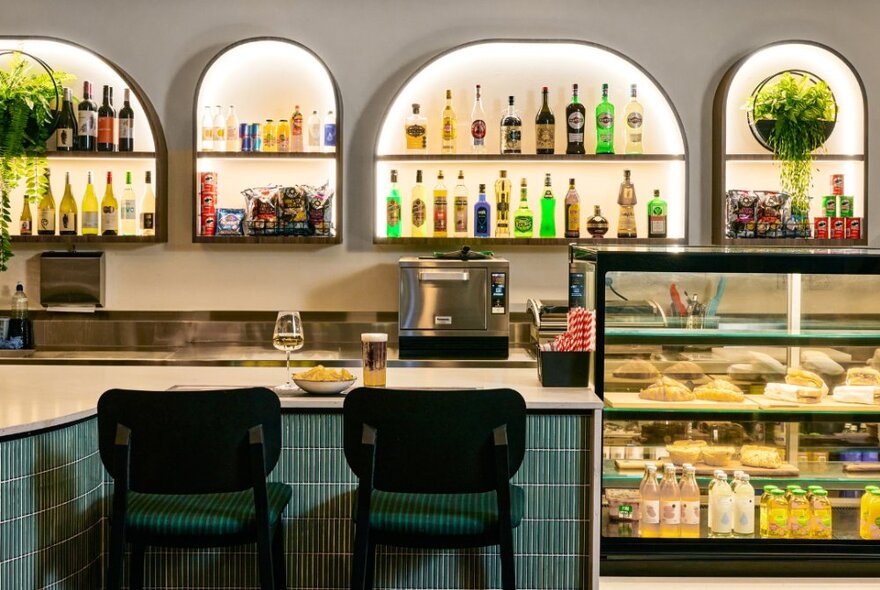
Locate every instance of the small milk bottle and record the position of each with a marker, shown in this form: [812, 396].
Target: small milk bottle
[744, 508]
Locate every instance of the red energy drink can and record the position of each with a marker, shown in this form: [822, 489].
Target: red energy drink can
[836, 231]
[837, 184]
[821, 227]
[853, 228]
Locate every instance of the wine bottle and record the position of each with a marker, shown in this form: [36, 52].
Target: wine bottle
[419, 208]
[545, 127]
[26, 221]
[66, 132]
[109, 210]
[148, 208]
[511, 130]
[575, 118]
[87, 120]
[90, 209]
[128, 213]
[46, 210]
[67, 212]
[392, 209]
[126, 124]
[440, 207]
[107, 123]
[605, 124]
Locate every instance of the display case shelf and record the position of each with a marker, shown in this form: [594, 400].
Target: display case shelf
[457, 241]
[772, 158]
[101, 155]
[59, 239]
[267, 155]
[567, 158]
[262, 240]
[682, 336]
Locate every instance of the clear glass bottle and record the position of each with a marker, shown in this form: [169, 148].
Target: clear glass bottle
[777, 515]
[392, 209]
[219, 129]
[649, 505]
[296, 130]
[511, 130]
[329, 139]
[670, 504]
[419, 218]
[314, 132]
[744, 507]
[721, 502]
[523, 220]
[233, 141]
[634, 116]
[799, 515]
[46, 211]
[572, 211]
[441, 207]
[626, 199]
[763, 508]
[548, 210]
[478, 124]
[605, 124]
[820, 507]
[710, 508]
[448, 128]
[482, 215]
[460, 206]
[128, 209]
[415, 128]
[282, 140]
[502, 205]
[864, 504]
[657, 216]
[597, 225]
[545, 126]
[109, 210]
[690, 503]
[207, 130]
[270, 136]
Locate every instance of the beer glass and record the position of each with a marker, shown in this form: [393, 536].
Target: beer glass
[375, 348]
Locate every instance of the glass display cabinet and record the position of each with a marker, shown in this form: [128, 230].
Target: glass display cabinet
[763, 362]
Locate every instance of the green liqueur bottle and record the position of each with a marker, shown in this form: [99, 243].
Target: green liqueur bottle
[605, 124]
[657, 216]
[523, 220]
[548, 210]
[392, 209]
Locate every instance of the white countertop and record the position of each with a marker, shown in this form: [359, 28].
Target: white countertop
[42, 396]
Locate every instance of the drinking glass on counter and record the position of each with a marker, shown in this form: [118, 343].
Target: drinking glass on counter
[375, 350]
[288, 336]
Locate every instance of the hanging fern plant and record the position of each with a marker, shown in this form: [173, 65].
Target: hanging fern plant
[28, 102]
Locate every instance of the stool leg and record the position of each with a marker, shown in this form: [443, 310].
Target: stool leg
[136, 562]
[264, 553]
[360, 557]
[117, 554]
[278, 558]
[508, 563]
[371, 567]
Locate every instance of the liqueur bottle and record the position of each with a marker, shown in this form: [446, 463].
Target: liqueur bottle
[218, 126]
[575, 119]
[89, 209]
[128, 211]
[572, 211]
[478, 125]
[511, 130]
[626, 198]
[416, 129]
[657, 217]
[419, 208]
[126, 124]
[523, 219]
[109, 210]
[46, 211]
[605, 124]
[597, 226]
[548, 210]
[67, 212]
[148, 208]
[107, 123]
[482, 215]
[545, 127]
[66, 132]
[502, 205]
[448, 126]
[634, 116]
[296, 130]
[87, 120]
[26, 221]
[440, 207]
[460, 206]
[392, 209]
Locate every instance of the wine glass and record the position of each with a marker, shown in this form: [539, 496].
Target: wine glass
[288, 336]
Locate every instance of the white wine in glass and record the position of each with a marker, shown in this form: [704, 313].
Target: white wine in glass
[288, 336]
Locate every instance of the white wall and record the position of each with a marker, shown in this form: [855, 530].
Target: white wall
[371, 46]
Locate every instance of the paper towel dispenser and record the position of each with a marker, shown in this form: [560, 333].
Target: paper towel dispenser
[72, 279]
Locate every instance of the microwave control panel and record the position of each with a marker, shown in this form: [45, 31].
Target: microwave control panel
[498, 292]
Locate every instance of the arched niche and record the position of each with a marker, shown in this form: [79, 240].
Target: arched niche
[149, 155]
[265, 78]
[741, 162]
[520, 68]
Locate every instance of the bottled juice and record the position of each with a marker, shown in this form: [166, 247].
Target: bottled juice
[788, 491]
[777, 515]
[722, 508]
[737, 477]
[863, 512]
[649, 505]
[821, 515]
[670, 504]
[873, 525]
[270, 136]
[765, 502]
[799, 515]
[650, 471]
[744, 508]
[810, 490]
[690, 503]
[710, 507]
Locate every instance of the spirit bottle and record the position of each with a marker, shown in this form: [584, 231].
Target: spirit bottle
[482, 215]
[449, 134]
[605, 124]
[392, 209]
[635, 118]
[626, 198]
[440, 207]
[575, 118]
[416, 128]
[572, 212]
[478, 125]
[597, 225]
[511, 130]
[502, 205]
[548, 210]
[523, 220]
[460, 206]
[545, 127]
[419, 208]
[657, 216]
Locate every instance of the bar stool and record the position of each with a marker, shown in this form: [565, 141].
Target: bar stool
[434, 471]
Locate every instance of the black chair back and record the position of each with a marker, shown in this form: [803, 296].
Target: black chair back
[433, 441]
[189, 442]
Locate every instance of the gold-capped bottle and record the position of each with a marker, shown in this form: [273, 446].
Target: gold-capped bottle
[449, 132]
[109, 210]
[90, 211]
[441, 213]
[502, 206]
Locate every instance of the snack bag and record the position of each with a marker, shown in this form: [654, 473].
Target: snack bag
[293, 214]
[321, 209]
[261, 206]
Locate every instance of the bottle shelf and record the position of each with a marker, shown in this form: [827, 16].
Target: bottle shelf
[817, 157]
[795, 242]
[226, 240]
[457, 241]
[86, 239]
[741, 337]
[101, 155]
[567, 158]
[267, 155]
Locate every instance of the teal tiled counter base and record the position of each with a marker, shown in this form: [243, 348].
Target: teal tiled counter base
[51, 538]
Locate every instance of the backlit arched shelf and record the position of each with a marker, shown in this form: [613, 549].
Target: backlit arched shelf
[741, 163]
[520, 68]
[265, 78]
[150, 153]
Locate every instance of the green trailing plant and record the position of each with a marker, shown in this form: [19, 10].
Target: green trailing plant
[800, 108]
[27, 118]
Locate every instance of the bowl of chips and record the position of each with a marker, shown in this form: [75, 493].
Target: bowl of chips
[323, 381]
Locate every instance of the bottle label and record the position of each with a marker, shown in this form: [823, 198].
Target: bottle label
[105, 129]
[605, 120]
[68, 222]
[482, 222]
[128, 210]
[219, 134]
[415, 137]
[670, 512]
[572, 218]
[440, 213]
[690, 512]
[207, 135]
[511, 139]
[658, 226]
[722, 514]
[651, 511]
[448, 129]
[25, 227]
[90, 220]
[126, 128]
[418, 213]
[461, 215]
[147, 221]
[576, 123]
[523, 224]
[109, 218]
[88, 123]
[47, 220]
[314, 134]
[545, 136]
[64, 138]
[634, 121]
[330, 134]
[744, 508]
[392, 212]
[478, 131]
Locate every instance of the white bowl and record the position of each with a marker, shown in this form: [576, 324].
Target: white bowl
[324, 387]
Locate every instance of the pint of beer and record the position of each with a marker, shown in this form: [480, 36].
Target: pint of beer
[375, 348]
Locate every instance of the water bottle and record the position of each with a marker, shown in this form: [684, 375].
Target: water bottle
[20, 324]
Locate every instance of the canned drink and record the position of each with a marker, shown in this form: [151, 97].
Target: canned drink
[836, 230]
[853, 228]
[829, 206]
[256, 134]
[847, 203]
[209, 223]
[821, 225]
[837, 184]
[246, 139]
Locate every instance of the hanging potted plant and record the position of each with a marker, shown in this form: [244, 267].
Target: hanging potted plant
[29, 100]
[793, 114]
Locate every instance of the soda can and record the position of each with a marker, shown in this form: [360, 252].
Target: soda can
[837, 184]
[836, 231]
[853, 228]
[821, 225]
[256, 133]
[829, 206]
[209, 223]
[245, 136]
[847, 203]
